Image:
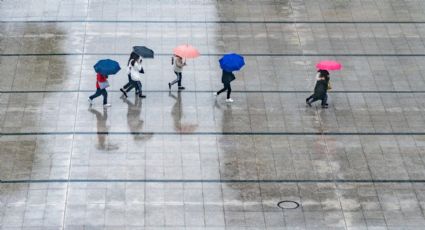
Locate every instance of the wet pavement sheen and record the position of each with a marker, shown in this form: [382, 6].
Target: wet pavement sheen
[188, 160]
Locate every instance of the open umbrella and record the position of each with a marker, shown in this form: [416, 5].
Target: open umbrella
[107, 67]
[143, 51]
[231, 62]
[329, 65]
[186, 51]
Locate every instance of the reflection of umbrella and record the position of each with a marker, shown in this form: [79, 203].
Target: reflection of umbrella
[328, 65]
[143, 51]
[107, 67]
[187, 128]
[231, 62]
[186, 51]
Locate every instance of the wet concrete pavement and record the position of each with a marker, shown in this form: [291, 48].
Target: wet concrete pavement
[188, 160]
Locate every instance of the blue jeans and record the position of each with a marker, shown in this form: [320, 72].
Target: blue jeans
[100, 92]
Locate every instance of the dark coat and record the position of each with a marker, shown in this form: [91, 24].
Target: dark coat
[227, 77]
[320, 89]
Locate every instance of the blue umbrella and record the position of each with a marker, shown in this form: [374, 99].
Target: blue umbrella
[231, 62]
[107, 67]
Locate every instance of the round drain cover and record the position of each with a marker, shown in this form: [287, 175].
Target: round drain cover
[288, 204]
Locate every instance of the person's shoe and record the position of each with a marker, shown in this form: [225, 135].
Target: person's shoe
[123, 92]
[90, 101]
[229, 100]
[142, 96]
[215, 94]
[307, 101]
[325, 106]
[169, 86]
[181, 88]
[106, 105]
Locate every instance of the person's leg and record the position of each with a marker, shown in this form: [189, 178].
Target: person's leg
[96, 94]
[222, 90]
[175, 80]
[314, 99]
[139, 88]
[179, 79]
[229, 90]
[105, 96]
[324, 101]
[133, 84]
[129, 83]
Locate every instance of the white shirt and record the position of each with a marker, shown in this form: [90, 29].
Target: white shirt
[134, 71]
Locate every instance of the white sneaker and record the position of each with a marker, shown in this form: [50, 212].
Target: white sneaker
[90, 101]
[107, 105]
[215, 94]
[230, 100]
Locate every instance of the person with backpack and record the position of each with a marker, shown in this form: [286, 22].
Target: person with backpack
[226, 78]
[101, 85]
[135, 70]
[320, 90]
[178, 63]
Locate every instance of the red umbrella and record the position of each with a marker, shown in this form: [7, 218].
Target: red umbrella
[186, 51]
[329, 65]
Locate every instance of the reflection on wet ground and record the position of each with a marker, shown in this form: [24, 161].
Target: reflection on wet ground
[186, 159]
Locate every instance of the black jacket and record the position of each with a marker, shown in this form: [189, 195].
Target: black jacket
[320, 89]
[227, 77]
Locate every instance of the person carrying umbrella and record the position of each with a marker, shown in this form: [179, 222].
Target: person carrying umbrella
[180, 52]
[226, 78]
[321, 89]
[135, 70]
[101, 85]
[229, 63]
[103, 68]
[178, 69]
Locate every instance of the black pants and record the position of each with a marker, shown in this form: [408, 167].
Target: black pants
[226, 87]
[100, 92]
[312, 99]
[133, 84]
[178, 80]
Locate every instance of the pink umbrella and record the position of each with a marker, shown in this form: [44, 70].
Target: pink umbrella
[329, 65]
[186, 51]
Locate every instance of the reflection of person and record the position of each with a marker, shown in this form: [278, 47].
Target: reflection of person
[177, 114]
[178, 69]
[102, 130]
[320, 90]
[226, 78]
[135, 70]
[101, 126]
[135, 124]
[101, 85]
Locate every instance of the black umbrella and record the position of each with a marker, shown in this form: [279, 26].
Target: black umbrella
[143, 51]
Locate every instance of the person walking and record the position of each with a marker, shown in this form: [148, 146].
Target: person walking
[130, 83]
[178, 63]
[226, 78]
[135, 70]
[320, 89]
[101, 85]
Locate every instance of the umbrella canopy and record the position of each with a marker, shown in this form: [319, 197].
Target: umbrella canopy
[143, 51]
[107, 67]
[329, 65]
[186, 51]
[231, 62]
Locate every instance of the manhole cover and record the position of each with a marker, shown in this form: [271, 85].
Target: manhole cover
[288, 204]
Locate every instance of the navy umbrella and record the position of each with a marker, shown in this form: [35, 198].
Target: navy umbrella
[231, 62]
[107, 67]
[143, 51]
